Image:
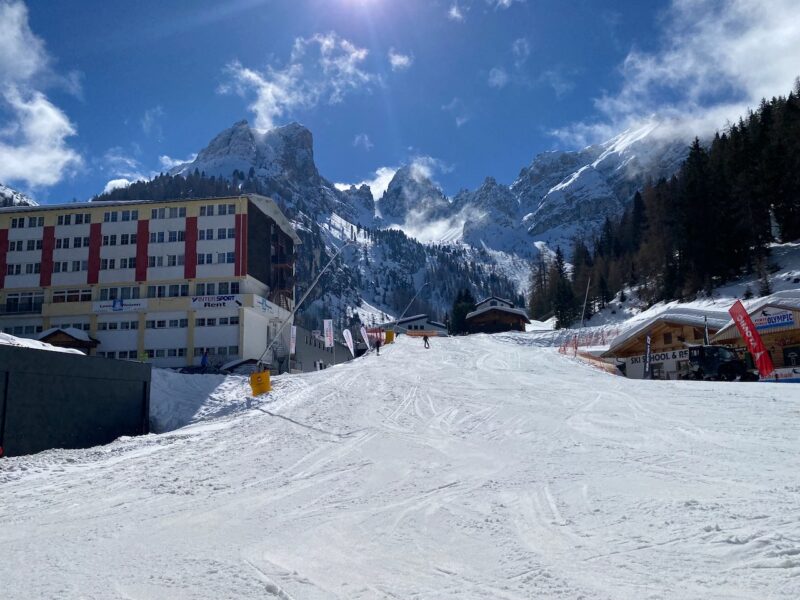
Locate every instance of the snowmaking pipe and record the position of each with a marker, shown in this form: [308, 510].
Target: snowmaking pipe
[408, 306]
[297, 306]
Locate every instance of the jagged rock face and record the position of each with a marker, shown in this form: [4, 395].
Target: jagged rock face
[362, 202]
[11, 197]
[412, 194]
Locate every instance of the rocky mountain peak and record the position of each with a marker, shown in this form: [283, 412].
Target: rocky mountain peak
[11, 197]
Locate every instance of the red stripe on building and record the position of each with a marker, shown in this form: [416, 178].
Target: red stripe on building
[3, 255]
[48, 245]
[95, 239]
[190, 252]
[243, 261]
[142, 240]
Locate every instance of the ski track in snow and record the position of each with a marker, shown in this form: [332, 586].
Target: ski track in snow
[486, 467]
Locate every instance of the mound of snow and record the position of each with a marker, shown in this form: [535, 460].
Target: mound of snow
[10, 340]
[177, 400]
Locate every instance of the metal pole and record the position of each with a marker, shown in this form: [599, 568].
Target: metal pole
[585, 298]
[296, 306]
[408, 306]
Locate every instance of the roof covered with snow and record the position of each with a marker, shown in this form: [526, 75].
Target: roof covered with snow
[693, 317]
[485, 309]
[485, 300]
[787, 300]
[10, 340]
[78, 334]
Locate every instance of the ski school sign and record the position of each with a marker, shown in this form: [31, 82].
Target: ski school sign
[201, 302]
[771, 319]
[661, 357]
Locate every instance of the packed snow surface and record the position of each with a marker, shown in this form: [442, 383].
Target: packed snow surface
[485, 467]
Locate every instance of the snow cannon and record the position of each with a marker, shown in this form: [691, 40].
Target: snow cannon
[260, 383]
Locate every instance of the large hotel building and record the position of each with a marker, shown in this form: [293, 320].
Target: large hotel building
[163, 281]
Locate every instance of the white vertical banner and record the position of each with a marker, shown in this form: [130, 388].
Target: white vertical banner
[366, 337]
[293, 340]
[348, 337]
[328, 328]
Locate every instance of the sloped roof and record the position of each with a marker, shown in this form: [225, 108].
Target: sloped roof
[693, 317]
[787, 300]
[514, 311]
[495, 298]
[78, 334]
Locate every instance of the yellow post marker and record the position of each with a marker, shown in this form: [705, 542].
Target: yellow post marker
[259, 383]
[389, 337]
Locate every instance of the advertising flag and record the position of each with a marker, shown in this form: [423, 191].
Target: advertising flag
[328, 328]
[293, 340]
[348, 337]
[647, 358]
[366, 337]
[751, 337]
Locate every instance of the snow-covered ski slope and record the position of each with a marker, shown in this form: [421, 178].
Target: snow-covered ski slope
[482, 468]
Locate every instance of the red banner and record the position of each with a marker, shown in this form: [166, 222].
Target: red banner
[750, 335]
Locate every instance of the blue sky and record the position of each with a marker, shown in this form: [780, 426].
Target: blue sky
[94, 91]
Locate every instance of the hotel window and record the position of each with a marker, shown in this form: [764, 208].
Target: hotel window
[76, 265]
[32, 268]
[224, 288]
[230, 258]
[211, 289]
[32, 221]
[667, 338]
[207, 211]
[156, 291]
[110, 217]
[15, 246]
[62, 243]
[155, 261]
[110, 240]
[108, 264]
[64, 220]
[205, 259]
[211, 322]
[234, 287]
[233, 350]
[158, 213]
[221, 233]
[72, 296]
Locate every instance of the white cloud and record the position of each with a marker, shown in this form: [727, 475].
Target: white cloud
[151, 123]
[456, 13]
[502, 3]
[399, 62]
[321, 68]
[116, 184]
[715, 60]
[378, 183]
[121, 165]
[362, 140]
[498, 77]
[459, 111]
[522, 50]
[33, 141]
[167, 162]
[558, 80]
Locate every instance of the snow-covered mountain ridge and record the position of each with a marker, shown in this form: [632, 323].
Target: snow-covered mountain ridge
[11, 197]
[559, 195]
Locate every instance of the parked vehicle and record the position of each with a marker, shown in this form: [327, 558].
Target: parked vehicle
[717, 363]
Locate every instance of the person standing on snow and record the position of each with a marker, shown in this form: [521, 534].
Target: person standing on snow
[204, 360]
[427, 342]
[378, 345]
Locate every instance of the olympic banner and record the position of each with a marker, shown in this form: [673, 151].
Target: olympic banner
[293, 340]
[751, 337]
[348, 337]
[328, 327]
[366, 337]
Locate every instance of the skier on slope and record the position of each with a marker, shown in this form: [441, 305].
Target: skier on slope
[378, 345]
[427, 342]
